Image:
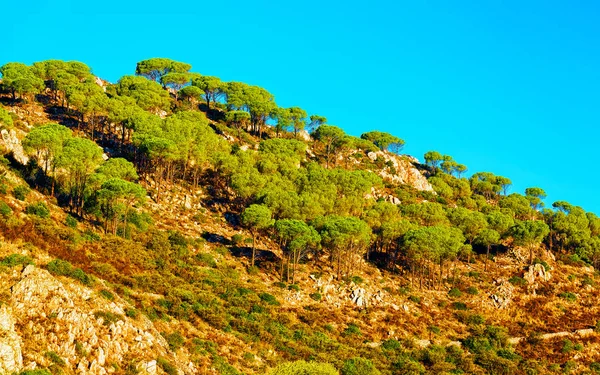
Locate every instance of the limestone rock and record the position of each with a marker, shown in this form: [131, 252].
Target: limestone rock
[13, 144]
[403, 171]
[11, 358]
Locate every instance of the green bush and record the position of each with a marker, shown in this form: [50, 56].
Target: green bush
[107, 317]
[54, 358]
[568, 296]
[472, 291]
[454, 293]
[237, 239]
[357, 280]
[107, 294]
[21, 192]
[5, 210]
[38, 371]
[63, 268]
[359, 366]
[294, 287]
[543, 263]
[15, 260]
[166, 366]
[38, 209]
[517, 280]
[304, 368]
[71, 222]
[414, 299]
[175, 340]
[206, 259]
[316, 296]
[269, 299]
[459, 306]
[351, 330]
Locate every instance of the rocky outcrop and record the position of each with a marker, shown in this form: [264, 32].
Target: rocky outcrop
[11, 359]
[503, 294]
[401, 170]
[12, 143]
[338, 294]
[88, 332]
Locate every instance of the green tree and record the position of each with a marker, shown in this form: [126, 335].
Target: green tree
[45, 144]
[296, 238]
[331, 137]
[79, 159]
[20, 79]
[191, 93]
[238, 120]
[530, 234]
[155, 68]
[536, 197]
[346, 237]
[175, 81]
[436, 244]
[384, 141]
[256, 218]
[433, 159]
[487, 237]
[118, 168]
[469, 222]
[116, 198]
[148, 95]
[212, 87]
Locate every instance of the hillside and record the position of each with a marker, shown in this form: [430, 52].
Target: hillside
[174, 223]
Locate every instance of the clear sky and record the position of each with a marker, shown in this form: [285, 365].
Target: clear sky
[509, 87]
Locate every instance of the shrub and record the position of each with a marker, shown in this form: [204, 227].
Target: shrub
[303, 367]
[357, 280]
[107, 294]
[351, 330]
[175, 340]
[472, 291]
[71, 222]
[206, 259]
[454, 293]
[359, 366]
[38, 209]
[54, 358]
[269, 299]
[568, 296]
[517, 280]
[237, 239]
[63, 268]
[107, 317]
[414, 299]
[38, 371]
[5, 210]
[166, 366]
[15, 260]
[543, 263]
[21, 192]
[294, 287]
[279, 284]
[131, 313]
[434, 329]
[459, 306]
[316, 296]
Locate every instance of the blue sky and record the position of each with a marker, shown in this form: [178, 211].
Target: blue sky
[509, 87]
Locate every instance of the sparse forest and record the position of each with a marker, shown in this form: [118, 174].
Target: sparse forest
[303, 198]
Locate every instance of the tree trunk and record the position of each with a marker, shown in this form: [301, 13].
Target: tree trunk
[253, 248]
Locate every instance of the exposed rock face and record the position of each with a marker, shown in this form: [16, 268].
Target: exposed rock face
[403, 172]
[11, 359]
[88, 332]
[536, 271]
[340, 294]
[13, 144]
[503, 294]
